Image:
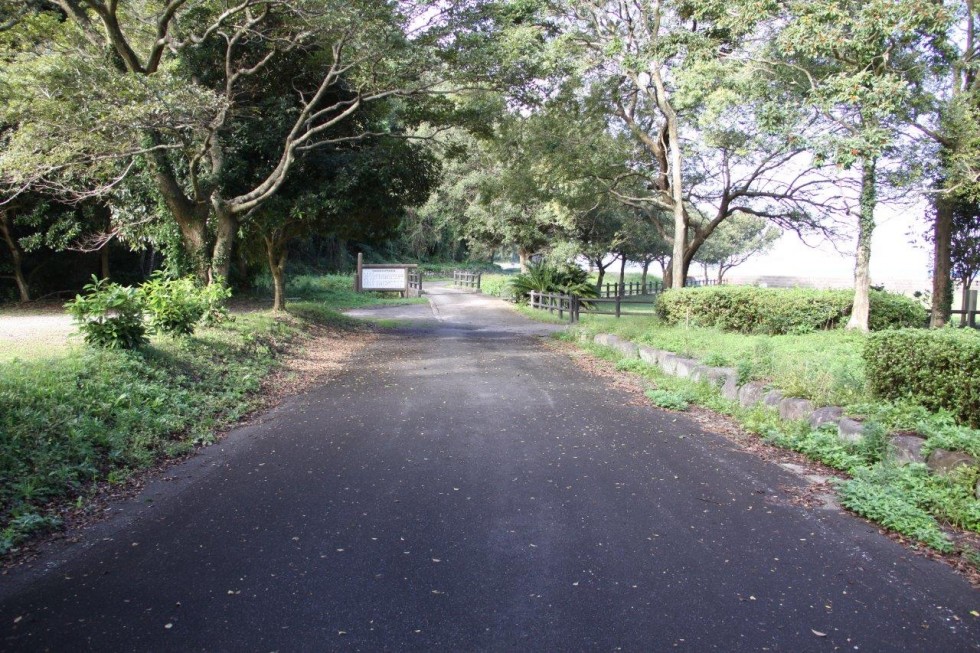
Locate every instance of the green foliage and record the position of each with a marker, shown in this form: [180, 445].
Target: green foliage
[497, 285]
[24, 526]
[542, 277]
[893, 509]
[109, 315]
[99, 414]
[777, 311]
[176, 306]
[667, 399]
[933, 368]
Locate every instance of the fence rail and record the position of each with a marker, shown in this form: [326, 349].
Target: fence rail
[470, 280]
[629, 289]
[574, 306]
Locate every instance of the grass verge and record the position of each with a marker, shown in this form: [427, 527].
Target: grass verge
[939, 512]
[74, 423]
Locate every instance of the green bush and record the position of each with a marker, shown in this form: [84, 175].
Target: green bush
[936, 369]
[541, 277]
[109, 315]
[176, 306]
[778, 311]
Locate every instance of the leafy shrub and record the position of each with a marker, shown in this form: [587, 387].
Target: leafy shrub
[176, 306]
[933, 368]
[541, 277]
[109, 315]
[778, 311]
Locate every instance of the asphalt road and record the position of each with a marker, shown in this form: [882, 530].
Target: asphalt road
[461, 489]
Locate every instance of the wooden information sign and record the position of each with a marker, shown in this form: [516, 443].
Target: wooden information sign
[390, 278]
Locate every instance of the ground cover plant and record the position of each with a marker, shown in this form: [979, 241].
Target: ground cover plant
[93, 414]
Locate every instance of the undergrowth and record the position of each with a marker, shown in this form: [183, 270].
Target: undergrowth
[91, 416]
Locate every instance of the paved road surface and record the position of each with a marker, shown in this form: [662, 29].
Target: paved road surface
[463, 489]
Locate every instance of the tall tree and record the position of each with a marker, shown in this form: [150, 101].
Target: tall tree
[863, 65]
[171, 83]
[709, 133]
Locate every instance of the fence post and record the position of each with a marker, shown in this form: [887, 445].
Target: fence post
[561, 304]
[532, 299]
[479, 281]
[573, 309]
[619, 301]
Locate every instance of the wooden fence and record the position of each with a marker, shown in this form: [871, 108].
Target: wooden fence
[630, 289]
[573, 306]
[470, 280]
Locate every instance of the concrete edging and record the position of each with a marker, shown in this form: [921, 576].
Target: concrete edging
[903, 448]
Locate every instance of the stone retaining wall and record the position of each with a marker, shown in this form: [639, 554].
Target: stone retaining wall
[903, 448]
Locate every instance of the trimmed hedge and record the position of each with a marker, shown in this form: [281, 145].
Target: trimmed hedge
[937, 369]
[777, 311]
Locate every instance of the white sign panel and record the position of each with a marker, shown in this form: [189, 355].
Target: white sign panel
[384, 279]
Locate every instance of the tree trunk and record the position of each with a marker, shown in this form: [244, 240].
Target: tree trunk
[942, 288]
[16, 257]
[224, 240]
[646, 269]
[104, 261]
[866, 223]
[622, 275]
[525, 257]
[191, 217]
[276, 252]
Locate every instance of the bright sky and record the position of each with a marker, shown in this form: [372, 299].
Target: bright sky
[892, 255]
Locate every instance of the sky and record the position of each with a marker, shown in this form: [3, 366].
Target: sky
[893, 257]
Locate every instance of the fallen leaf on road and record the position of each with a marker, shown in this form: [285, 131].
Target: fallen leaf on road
[818, 633]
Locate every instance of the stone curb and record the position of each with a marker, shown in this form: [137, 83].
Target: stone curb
[903, 448]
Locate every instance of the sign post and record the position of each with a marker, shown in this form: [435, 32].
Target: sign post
[386, 278]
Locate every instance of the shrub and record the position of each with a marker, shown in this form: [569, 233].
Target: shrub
[541, 277]
[109, 315]
[933, 368]
[778, 311]
[175, 306]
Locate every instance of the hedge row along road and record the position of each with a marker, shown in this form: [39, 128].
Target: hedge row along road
[463, 488]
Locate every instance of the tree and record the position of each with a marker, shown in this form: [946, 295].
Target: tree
[355, 193]
[965, 245]
[709, 133]
[954, 127]
[735, 242]
[173, 84]
[863, 66]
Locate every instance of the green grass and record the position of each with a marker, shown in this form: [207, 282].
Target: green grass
[90, 416]
[824, 366]
[496, 285]
[905, 499]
